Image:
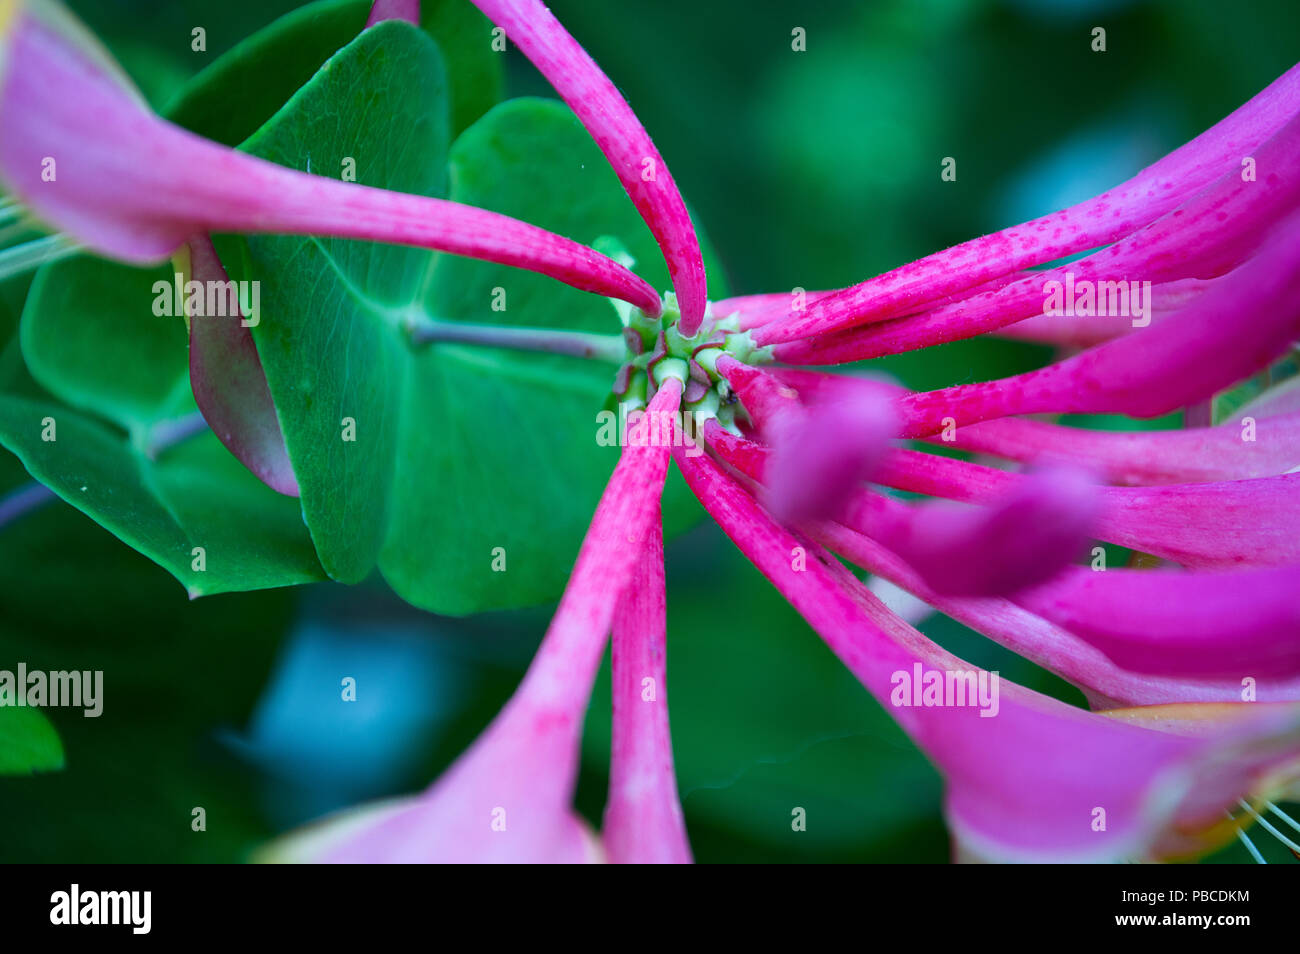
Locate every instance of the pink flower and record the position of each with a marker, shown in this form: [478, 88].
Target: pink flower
[1193, 669]
[1161, 653]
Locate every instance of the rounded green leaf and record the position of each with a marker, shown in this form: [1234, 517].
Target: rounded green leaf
[28, 743]
[263, 71]
[191, 507]
[438, 462]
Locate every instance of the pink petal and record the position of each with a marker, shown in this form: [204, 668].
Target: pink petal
[762, 394]
[756, 310]
[1024, 537]
[523, 768]
[134, 187]
[1263, 446]
[1110, 216]
[935, 579]
[1018, 540]
[620, 136]
[1232, 330]
[822, 452]
[1223, 524]
[1084, 331]
[1025, 784]
[1105, 683]
[643, 815]
[1218, 525]
[1209, 235]
[229, 384]
[1181, 623]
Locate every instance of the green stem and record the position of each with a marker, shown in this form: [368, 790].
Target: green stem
[579, 344]
[29, 255]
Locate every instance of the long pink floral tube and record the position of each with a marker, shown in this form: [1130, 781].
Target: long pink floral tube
[1205, 237]
[134, 187]
[1106, 684]
[1025, 783]
[1237, 449]
[1110, 216]
[508, 797]
[1229, 332]
[1023, 538]
[621, 137]
[1084, 331]
[643, 815]
[1244, 624]
[1013, 309]
[1258, 442]
[761, 392]
[755, 310]
[821, 453]
[1213, 525]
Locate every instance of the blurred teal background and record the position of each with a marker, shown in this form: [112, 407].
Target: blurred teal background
[812, 169]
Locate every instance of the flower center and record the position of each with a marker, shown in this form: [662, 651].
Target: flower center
[657, 350]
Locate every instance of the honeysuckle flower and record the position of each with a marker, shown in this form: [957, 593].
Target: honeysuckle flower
[1172, 747]
[1244, 322]
[1264, 446]
[1073, 658]
[1086, 330]
[1220, 524]
[1174, 744]
[1022, 539]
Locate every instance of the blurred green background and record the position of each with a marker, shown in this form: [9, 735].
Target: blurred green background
[812, 169]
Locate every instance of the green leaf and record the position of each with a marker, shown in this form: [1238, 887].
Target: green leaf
[1257, 390]
[90, 337]
[99, 425]
[74, 597]
[464, 37]
[458, 450]
[28, 743]
[264, 71]
[192, 508]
